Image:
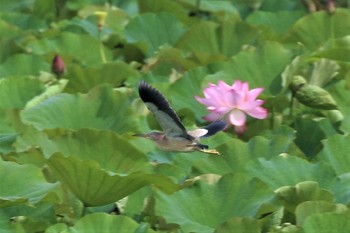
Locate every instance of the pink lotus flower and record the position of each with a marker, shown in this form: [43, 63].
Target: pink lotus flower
[232, 103]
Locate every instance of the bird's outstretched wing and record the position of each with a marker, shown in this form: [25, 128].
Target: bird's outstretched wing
[160, 107]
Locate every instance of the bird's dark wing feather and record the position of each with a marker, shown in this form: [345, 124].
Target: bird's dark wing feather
[214, 127]
[160, 107]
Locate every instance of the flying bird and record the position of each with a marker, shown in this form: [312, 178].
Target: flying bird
[174, 137]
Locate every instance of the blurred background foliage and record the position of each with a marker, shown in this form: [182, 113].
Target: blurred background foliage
[69, 163]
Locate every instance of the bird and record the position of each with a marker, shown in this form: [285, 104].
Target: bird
[175, 137]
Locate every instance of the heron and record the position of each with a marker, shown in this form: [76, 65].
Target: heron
[174, 137]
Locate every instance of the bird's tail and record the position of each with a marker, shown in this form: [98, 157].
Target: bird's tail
[214, 127]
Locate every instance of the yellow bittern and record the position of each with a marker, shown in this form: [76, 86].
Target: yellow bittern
[174, 137]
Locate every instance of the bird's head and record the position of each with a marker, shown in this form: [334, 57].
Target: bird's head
[154, 136]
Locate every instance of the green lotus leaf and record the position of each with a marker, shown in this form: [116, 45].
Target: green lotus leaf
[242, 225]
[203, 207]
[84, 79]
[80, 25]
[95, 186]
[23, 64]
[167, 58]
[22, 184]
[341, 95]
[336, 152]
[57, 228]
[254, 66]
[340, 189]
[236, 154]
[311, 132]
[101, 108]
[71, 45]
[111, 151]
[183, 91]
[339, 54]
[327, 222]
[135, 202]
[44, 9]
[208, 39]
[8, 32]
[6, 142]
[289, 170]
[10, 122]
[317, 29]
[8, 5]
[308, 208]
[51, 90]
[323, 72]
[146, 28]
[292, 196]
[278, 22]
[276, 5]
[23, 21]
[168, 6]
[32, 138]
[15, 92]
[101, 222]
[29, 218]
[5, 224]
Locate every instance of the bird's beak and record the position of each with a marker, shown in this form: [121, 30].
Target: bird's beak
[142, 135]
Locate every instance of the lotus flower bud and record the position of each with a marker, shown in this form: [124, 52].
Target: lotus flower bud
[311, 95]
[297, 83]
[101, 19]
[330, 6]
[58, 66]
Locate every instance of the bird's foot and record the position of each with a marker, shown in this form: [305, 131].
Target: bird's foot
[212, 152]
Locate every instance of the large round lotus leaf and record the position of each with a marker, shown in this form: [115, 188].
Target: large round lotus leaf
[154, 30]
[316, 30]
[23, 64]
[83, 48]
[101, 108]
[274, 22]
[57, 228]
[310, 133]
[15, 92]
[51, 90]
[236, 154]
[183, 91]
[202, 207]
[292, 196]
[308, 208]
[241, 225]
[30, 218]
[341, 94]
[22, 184]
[289, 170]
[82, 79]
[254, 66]
[95, 186]
[327, 222]
[6, 142]
[101, 222]
[340, 189]
[227, 38]
[173, 7]
[335, 151]
[111, 151]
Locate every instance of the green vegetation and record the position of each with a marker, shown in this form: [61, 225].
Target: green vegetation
[69, 162]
